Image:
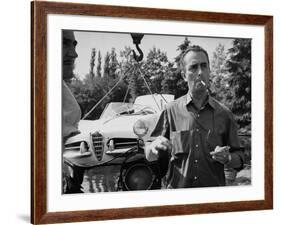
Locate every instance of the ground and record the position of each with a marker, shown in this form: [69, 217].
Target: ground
[104, 179]
[243, 177]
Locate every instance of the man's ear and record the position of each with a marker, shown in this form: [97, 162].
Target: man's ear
[183, 75]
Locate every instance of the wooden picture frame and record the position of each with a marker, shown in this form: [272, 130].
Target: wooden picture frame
[40, 11]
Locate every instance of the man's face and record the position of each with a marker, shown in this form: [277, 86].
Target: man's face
[69, 54]
[197, 72]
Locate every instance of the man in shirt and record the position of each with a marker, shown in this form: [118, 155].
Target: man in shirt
[71, 113]
[196, 133]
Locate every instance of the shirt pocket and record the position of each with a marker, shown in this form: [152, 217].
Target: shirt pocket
[213, 139]
[181, 143]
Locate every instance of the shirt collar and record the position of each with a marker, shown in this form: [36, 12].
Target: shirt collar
[210, 100]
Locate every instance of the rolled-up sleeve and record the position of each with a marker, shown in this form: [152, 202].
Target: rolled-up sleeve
[234, 142]
[162, 127]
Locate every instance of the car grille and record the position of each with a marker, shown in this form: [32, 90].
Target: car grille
[73, 146]
[120, 143]
[97, 140]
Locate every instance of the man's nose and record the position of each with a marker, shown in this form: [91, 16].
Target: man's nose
[72, 53]
[200, 71]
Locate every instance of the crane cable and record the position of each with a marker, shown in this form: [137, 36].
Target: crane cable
[149, 88]
[121, 78]
[92, 109]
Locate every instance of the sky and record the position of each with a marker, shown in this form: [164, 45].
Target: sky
[105, 41]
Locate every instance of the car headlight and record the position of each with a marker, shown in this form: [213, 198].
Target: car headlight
[84, 149]
[110, 145]
[140, 128]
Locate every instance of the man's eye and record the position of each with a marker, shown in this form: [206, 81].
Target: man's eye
[65, 43]
[193, 67]
[204, 65]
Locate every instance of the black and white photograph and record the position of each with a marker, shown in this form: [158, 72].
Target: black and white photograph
[143, 111]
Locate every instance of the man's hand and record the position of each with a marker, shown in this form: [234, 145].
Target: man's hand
[221, 154]
[159, 144]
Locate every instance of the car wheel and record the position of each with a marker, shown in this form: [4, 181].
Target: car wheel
[139, 175]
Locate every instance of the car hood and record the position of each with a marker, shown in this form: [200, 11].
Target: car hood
[121, 126]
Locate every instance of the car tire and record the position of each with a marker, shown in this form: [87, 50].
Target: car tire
[139, 175]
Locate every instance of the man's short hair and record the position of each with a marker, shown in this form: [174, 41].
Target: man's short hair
[193, 48]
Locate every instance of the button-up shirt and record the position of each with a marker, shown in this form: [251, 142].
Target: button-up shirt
[194, 133]
[71, 113]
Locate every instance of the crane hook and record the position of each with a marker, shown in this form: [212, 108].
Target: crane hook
[140, 56]
[137, 40]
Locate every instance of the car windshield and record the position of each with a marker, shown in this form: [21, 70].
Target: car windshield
[120, 108]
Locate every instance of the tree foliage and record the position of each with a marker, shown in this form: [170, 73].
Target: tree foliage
[155, 69]
[92, 62]
[132, 72]
[219, 77]
[106, 65]
[113, 64]
[231, 79]
[182, 48]
[99, 65]
[238, 66]
[173, 82]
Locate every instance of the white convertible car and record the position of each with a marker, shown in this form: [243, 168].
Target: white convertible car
[117, 136]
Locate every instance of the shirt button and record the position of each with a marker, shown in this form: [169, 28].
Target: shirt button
[196, 146]
[197, 130]
[195, 178]
[196, 161]
[198, 115]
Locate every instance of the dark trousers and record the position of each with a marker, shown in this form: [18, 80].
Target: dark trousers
[72, 179]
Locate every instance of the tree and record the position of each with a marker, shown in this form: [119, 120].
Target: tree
[106, 65]
[99, 65]
[113, 64]
[111, 77]
[92, 62]
[182, 47]
[239, 67]
[132, 74]
[219, 76]
[87, 93]
[174, 82]
[155, 69]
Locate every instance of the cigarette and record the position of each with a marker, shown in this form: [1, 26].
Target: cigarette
[202, 82]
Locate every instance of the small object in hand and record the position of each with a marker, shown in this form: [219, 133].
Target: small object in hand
[222, 149]
[221, 154]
